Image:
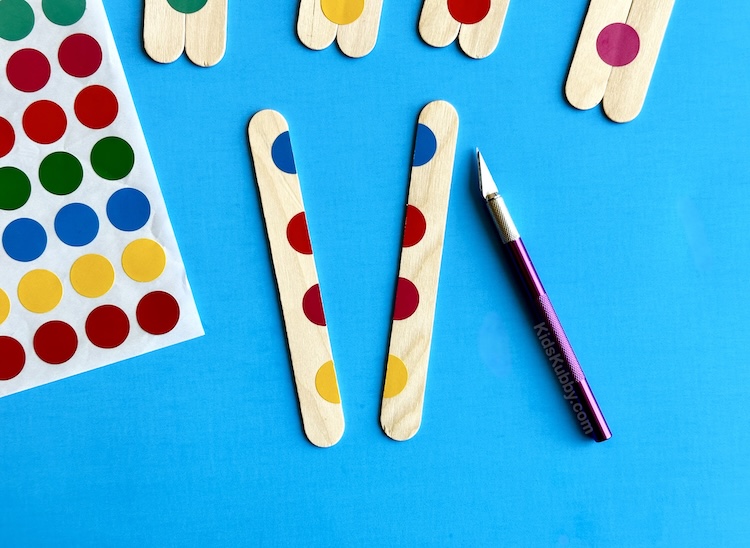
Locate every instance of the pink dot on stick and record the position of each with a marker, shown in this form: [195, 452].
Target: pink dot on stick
[618, 44]
[55, 342]
[28, 70]
[80, 55]
[298, 235]
[415, 226]
[12, 358]
[312, 305]
[407, 299]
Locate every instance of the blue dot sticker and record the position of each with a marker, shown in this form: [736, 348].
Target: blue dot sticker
[128, 209]
[24, 240]
[281, 152]
[76, 225]
[425, 146]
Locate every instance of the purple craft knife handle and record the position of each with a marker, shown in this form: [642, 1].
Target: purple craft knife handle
[558, 350]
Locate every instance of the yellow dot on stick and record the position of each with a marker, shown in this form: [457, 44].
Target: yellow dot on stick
[40, 291]
[144, 260]
[92, 276]
[396, 377]
[326, 383]
[4, 306]
[342, 12]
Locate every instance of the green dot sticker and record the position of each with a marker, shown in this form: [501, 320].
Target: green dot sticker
[112, 158]
[16, 19]
[61, 173]
[187, 6]
[64, 12]
[15, 188]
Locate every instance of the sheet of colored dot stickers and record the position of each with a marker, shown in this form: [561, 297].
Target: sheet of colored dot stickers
[90, 272]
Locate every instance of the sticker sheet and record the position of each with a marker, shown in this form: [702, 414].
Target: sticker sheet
[90, 272]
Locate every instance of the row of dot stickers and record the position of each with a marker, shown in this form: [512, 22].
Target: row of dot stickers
[90, 272]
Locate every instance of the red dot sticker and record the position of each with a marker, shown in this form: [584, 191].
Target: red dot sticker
[312, 305]
[7, 137]
[44, 122]
[618, 44]
[107, 326]
[468, 12]
[415, 226]
[158, 313]
[407, 299]
[28, 70]
[96, 107]
[55, 342]
[298, 235]
[80, 55]
[12, 358]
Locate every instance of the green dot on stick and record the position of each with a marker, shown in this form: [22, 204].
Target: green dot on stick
[16, 19]
[61, 173]
[15, 188]
[112, 158]
[187, 6]
[64, 12]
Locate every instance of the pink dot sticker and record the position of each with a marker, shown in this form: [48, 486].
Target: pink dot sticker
[298, 235]
[80, 55]
[28, 70]
[407, 299]
[618, 44]
[312, 306]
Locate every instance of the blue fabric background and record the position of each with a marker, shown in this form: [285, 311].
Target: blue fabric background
[639, 232]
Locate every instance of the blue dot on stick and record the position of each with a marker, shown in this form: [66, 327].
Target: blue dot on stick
[24, 240]
[281, 152]
[76, 225]
[128, 209]
[425, 146]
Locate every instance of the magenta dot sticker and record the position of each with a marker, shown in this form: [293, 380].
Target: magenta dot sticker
[80, 55]
[618, 44]
[298, 235]
[312, 305]
[28, 70]
[407, 299]
[415, 226]
[55, 342]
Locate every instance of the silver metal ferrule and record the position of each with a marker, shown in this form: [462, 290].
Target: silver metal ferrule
[503, 221]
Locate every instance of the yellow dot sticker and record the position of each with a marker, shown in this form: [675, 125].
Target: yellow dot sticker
[396, 377]
[144, 260]
[326, 383]
[92, 276]
[342, 12]
[40, 291]
[4, 306]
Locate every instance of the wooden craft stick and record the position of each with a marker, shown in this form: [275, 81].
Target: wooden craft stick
[357, 39]
[628, 85]
[314, 29]
[480, 39]
[206, 34]
[419, 272]
[589, 74]
[163, 31]
[437, 27]
[297, 278]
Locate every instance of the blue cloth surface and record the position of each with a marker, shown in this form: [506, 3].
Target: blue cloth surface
[638, 232]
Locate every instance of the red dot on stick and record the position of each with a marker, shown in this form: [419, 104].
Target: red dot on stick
[158, 313]
[298, 234]
[55, 342]
[407, 299]
[415, 226]
[312, 306]
[107, 326]
[80, 55]
[618, 44]
[7, 137]
[468, 12]
[28, 70]
[96, 107]
[44, 122]
[12, 358]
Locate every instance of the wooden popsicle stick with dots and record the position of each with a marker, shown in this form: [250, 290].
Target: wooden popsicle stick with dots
[353, 23]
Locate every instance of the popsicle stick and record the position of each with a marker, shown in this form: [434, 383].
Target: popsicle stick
[206, 33]
[480, 39]
[163, 31]
[628, 85]
[589, 74]
[314, 29]
[437, 27]
[419, 272]
[296, 278]
[357, 39]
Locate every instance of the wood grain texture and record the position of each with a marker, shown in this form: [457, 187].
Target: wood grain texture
[411, 338]
[437, 27]
[314, 29]
[628, 85]
[206, 34]
[588, 74]
[309, 346]
[357, 39]
[480, 39]
[163, 31]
